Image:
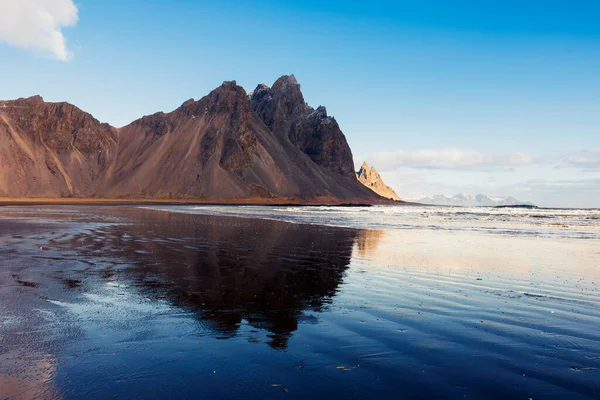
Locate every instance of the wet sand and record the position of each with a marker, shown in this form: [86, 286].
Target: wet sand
[98, 302]
[19, 201]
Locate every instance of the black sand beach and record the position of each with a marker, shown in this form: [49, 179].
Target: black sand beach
[102, 302]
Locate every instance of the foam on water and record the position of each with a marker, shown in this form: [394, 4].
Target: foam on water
[561, 223]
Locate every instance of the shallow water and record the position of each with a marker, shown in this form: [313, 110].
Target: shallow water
[543, 222]
[118, 301]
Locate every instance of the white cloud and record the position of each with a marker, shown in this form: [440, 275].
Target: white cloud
[451, 159]
[560, 193]
[37, 24]
[586, 160]
[414, 185]
[563, 179]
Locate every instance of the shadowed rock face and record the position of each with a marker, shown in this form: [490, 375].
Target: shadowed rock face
[283, 110]
[52, 149]
[227, 145]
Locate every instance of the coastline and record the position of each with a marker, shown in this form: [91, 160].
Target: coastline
[18, 201]
[150, 297]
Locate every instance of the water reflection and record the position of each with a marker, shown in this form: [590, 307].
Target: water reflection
[226, 271]
[32, 377]
[129, 303]
[367, 241]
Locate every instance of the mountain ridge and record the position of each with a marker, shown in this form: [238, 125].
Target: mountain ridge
[228, 145]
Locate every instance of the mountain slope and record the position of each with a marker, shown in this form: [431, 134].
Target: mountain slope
[52, 150]
[283, 110]
[371, 179]
[228, 145]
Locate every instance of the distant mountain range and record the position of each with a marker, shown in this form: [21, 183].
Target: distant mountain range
[467, 200]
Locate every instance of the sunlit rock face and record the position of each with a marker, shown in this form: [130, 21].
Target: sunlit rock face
[369, 177]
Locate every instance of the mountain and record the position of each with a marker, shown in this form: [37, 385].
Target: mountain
[52, 150]
[268, 144]
[371, 179]
[466, 200]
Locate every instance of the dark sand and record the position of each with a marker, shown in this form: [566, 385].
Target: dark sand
[98, 302]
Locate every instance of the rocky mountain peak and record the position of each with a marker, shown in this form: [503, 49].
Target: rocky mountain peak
[230, 85]
[283, 111]
[188, 103]
[371, 179]
[322, 111]
[226, 145]
[279, 104]
[260, 91]
[60, 125]
[227, 98]
[286, 82]
[52, 148]
[33, 100]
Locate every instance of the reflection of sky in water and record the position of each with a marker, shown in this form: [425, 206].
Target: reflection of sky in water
[177, 304]
[6, 320]
[35, 378]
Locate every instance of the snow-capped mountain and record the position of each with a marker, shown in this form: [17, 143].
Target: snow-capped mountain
[467, 200]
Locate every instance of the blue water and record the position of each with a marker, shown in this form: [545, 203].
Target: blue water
[124, 302]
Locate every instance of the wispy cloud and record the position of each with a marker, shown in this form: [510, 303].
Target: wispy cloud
[560, 193]
[450, 159]
[37, 24]
[586, 160]
[414, 185]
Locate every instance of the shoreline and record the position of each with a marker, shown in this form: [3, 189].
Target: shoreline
[142, 295]
[18, 201]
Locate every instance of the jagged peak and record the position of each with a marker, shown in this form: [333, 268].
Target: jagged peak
[368, 171]
[34, 99]
[188, 103]
[369, 177]
[38, 101]
[260, 91]
[288, 87]
[230, 85]
[262, 86]
[285, 81]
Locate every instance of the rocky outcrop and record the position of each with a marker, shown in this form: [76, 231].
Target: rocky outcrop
[283, 110]
[52, 150]
[371, 179]
[228, 145]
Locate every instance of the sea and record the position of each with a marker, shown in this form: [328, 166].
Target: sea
[274, 302]
[510, 221]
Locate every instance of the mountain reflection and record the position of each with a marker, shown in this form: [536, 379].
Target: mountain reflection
[225, 270]
[367, 241]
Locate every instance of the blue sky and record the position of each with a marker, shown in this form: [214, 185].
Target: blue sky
[441, 96]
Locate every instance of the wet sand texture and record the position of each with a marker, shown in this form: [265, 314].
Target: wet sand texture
[135, 303]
